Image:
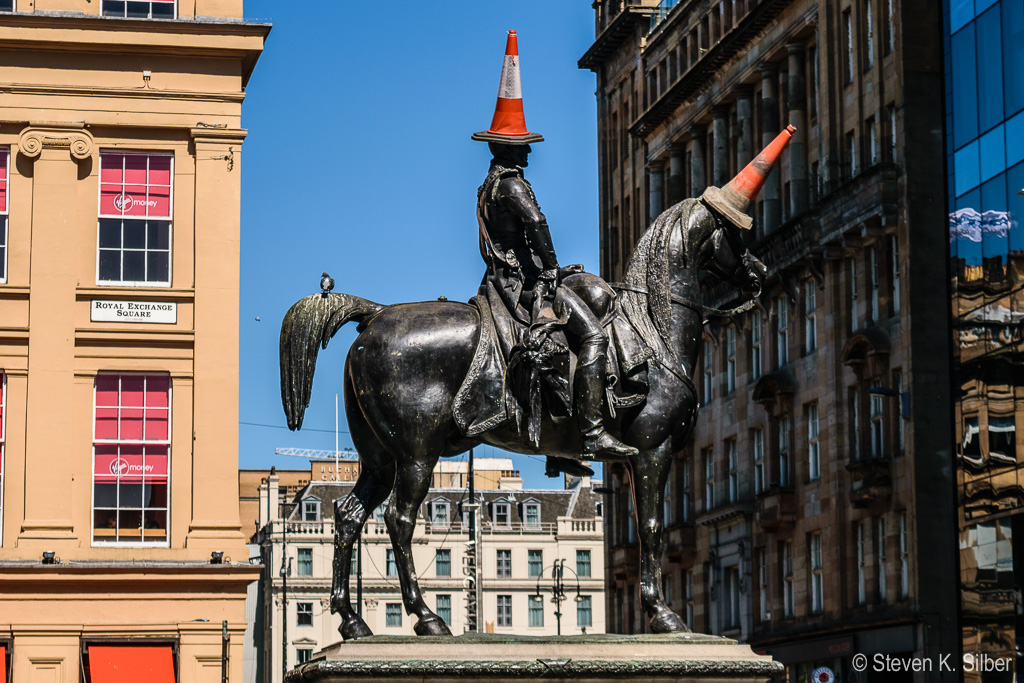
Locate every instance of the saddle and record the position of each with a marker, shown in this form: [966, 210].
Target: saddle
[508, 381]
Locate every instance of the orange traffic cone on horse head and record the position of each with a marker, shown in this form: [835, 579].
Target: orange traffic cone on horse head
[509, 123]
[734, 200]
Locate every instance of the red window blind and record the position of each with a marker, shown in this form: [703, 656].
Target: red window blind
[131, 664]
[133, 184]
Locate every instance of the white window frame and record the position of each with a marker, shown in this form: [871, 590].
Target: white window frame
[708, 379]
[872, 141]
[392, 612]
[813, 452]
[666, 502]
[869, 26]
[787, 580]
[890, 27]
[5, 219]
[527, 506]
[756, 345]
[851, 150]
[438, 563]
[734, 470]
[310, 505]
[298, 561]
[817, 575]
[709, 480]
[873, 282]
[303, 609]
[436, 518]
[170, 431]
[757, 439]
[730, 359]
[810, 316]
[877, 424]
[883, 569]
[502, 509]
[149, 17]
[390, 561]
[581, 571]
[169, 219]
[503, 563]
[535, 612]
[504, 612]
[585, 612]
[781, 331]
[443, 610]
[848, 27]
[784, 451]
[530, 563]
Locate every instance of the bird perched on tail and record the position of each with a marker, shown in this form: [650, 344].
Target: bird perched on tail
[326, 284]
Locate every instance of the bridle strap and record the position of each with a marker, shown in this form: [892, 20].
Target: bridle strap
[700, 308]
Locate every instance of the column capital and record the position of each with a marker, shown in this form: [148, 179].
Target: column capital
[768, 69]
[697, 131]
[40, 135]
[796, 48]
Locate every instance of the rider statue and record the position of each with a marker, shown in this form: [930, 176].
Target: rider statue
[523, 269]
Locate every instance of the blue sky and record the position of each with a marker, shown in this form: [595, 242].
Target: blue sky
[359, 162]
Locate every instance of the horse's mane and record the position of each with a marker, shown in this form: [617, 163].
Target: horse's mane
[648, 270]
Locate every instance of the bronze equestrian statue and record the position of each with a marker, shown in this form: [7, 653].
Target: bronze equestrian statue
[407, 373]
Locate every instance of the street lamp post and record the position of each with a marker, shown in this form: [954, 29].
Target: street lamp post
[558, 589]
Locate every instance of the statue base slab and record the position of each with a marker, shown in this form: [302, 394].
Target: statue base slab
[498, 658]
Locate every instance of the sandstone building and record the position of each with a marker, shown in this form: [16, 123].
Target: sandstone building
[810, 512]
[120, 164]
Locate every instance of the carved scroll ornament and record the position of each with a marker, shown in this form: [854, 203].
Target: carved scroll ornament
[76, 140]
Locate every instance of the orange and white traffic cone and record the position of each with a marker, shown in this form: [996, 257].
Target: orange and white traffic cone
[509, 123]
[734, 200]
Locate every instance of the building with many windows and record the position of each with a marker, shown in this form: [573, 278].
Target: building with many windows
[984, 51]
[810, 512]
[523, 534]
[120, 159]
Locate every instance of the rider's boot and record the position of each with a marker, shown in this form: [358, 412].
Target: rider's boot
[557, 465]
[589, 390]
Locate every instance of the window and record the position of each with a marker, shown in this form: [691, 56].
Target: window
[734, 470]
[303, 655]
[534, 563]
[758, 442]
[862, 592]
[877, 426]
[891, 116]
[378, 513]
[732, 598]
[444, 608]
[730, 359]
[869, 35]
[897, 379]
[904, 558]
[584, 612]
[630, 519]
[535, 613]
[304, 613]
[848, 39]
[854, 320]
[393, 614]
[817, 576]
[504, 610]
[135, 219]
[871, 153]
[687, 499]
[666, 502]
[762, 569]
[441, 514]
[851, 154]
[709, 480]
[873, 274]
[784, 450]
[782, 331]
[894, 273]
[305, 561]
[755, 345]
[787, 579]
[810, 316]
[502, 516]
[883, 588]
[813, 457]
[583, 564]
[707, 371]
[667, 585]
[311, 510]
[688, 582]
[504, 563]
[391, 567]
[6, 5]
[131, 451]
[443, 562]
[532, 515]
[133, 9]
[890, 26]
[5, 161]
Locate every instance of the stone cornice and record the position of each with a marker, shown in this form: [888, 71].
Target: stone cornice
[40, 135]
[91, 91]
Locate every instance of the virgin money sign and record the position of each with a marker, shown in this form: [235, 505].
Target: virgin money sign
[112, 466]
[137, 185]
[3, 179]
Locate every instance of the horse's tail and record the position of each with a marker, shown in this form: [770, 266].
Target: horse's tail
[308, 326]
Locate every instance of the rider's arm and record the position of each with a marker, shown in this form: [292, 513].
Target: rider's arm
[517, 199]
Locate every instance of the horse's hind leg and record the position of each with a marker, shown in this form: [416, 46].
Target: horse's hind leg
[650, 472]
[411, 485]
[376, 479]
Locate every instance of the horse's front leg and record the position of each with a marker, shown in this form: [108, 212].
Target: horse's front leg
[650, 473]
[411, 487]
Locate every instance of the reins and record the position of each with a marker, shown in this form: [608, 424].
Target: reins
[700, 308]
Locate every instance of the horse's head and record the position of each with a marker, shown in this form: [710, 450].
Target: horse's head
[721, 252]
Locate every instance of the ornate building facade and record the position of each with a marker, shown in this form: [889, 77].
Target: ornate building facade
[522, 534]
[810, 512]
[120, 160]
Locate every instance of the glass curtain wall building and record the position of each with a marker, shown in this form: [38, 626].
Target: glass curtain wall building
[984, 59]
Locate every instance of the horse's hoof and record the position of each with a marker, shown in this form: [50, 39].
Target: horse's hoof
[354, 628]
[668, 622]
[431, 626]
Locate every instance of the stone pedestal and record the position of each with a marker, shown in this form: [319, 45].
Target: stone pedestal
[506, 658]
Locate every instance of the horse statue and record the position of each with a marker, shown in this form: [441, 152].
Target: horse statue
[404, 369]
